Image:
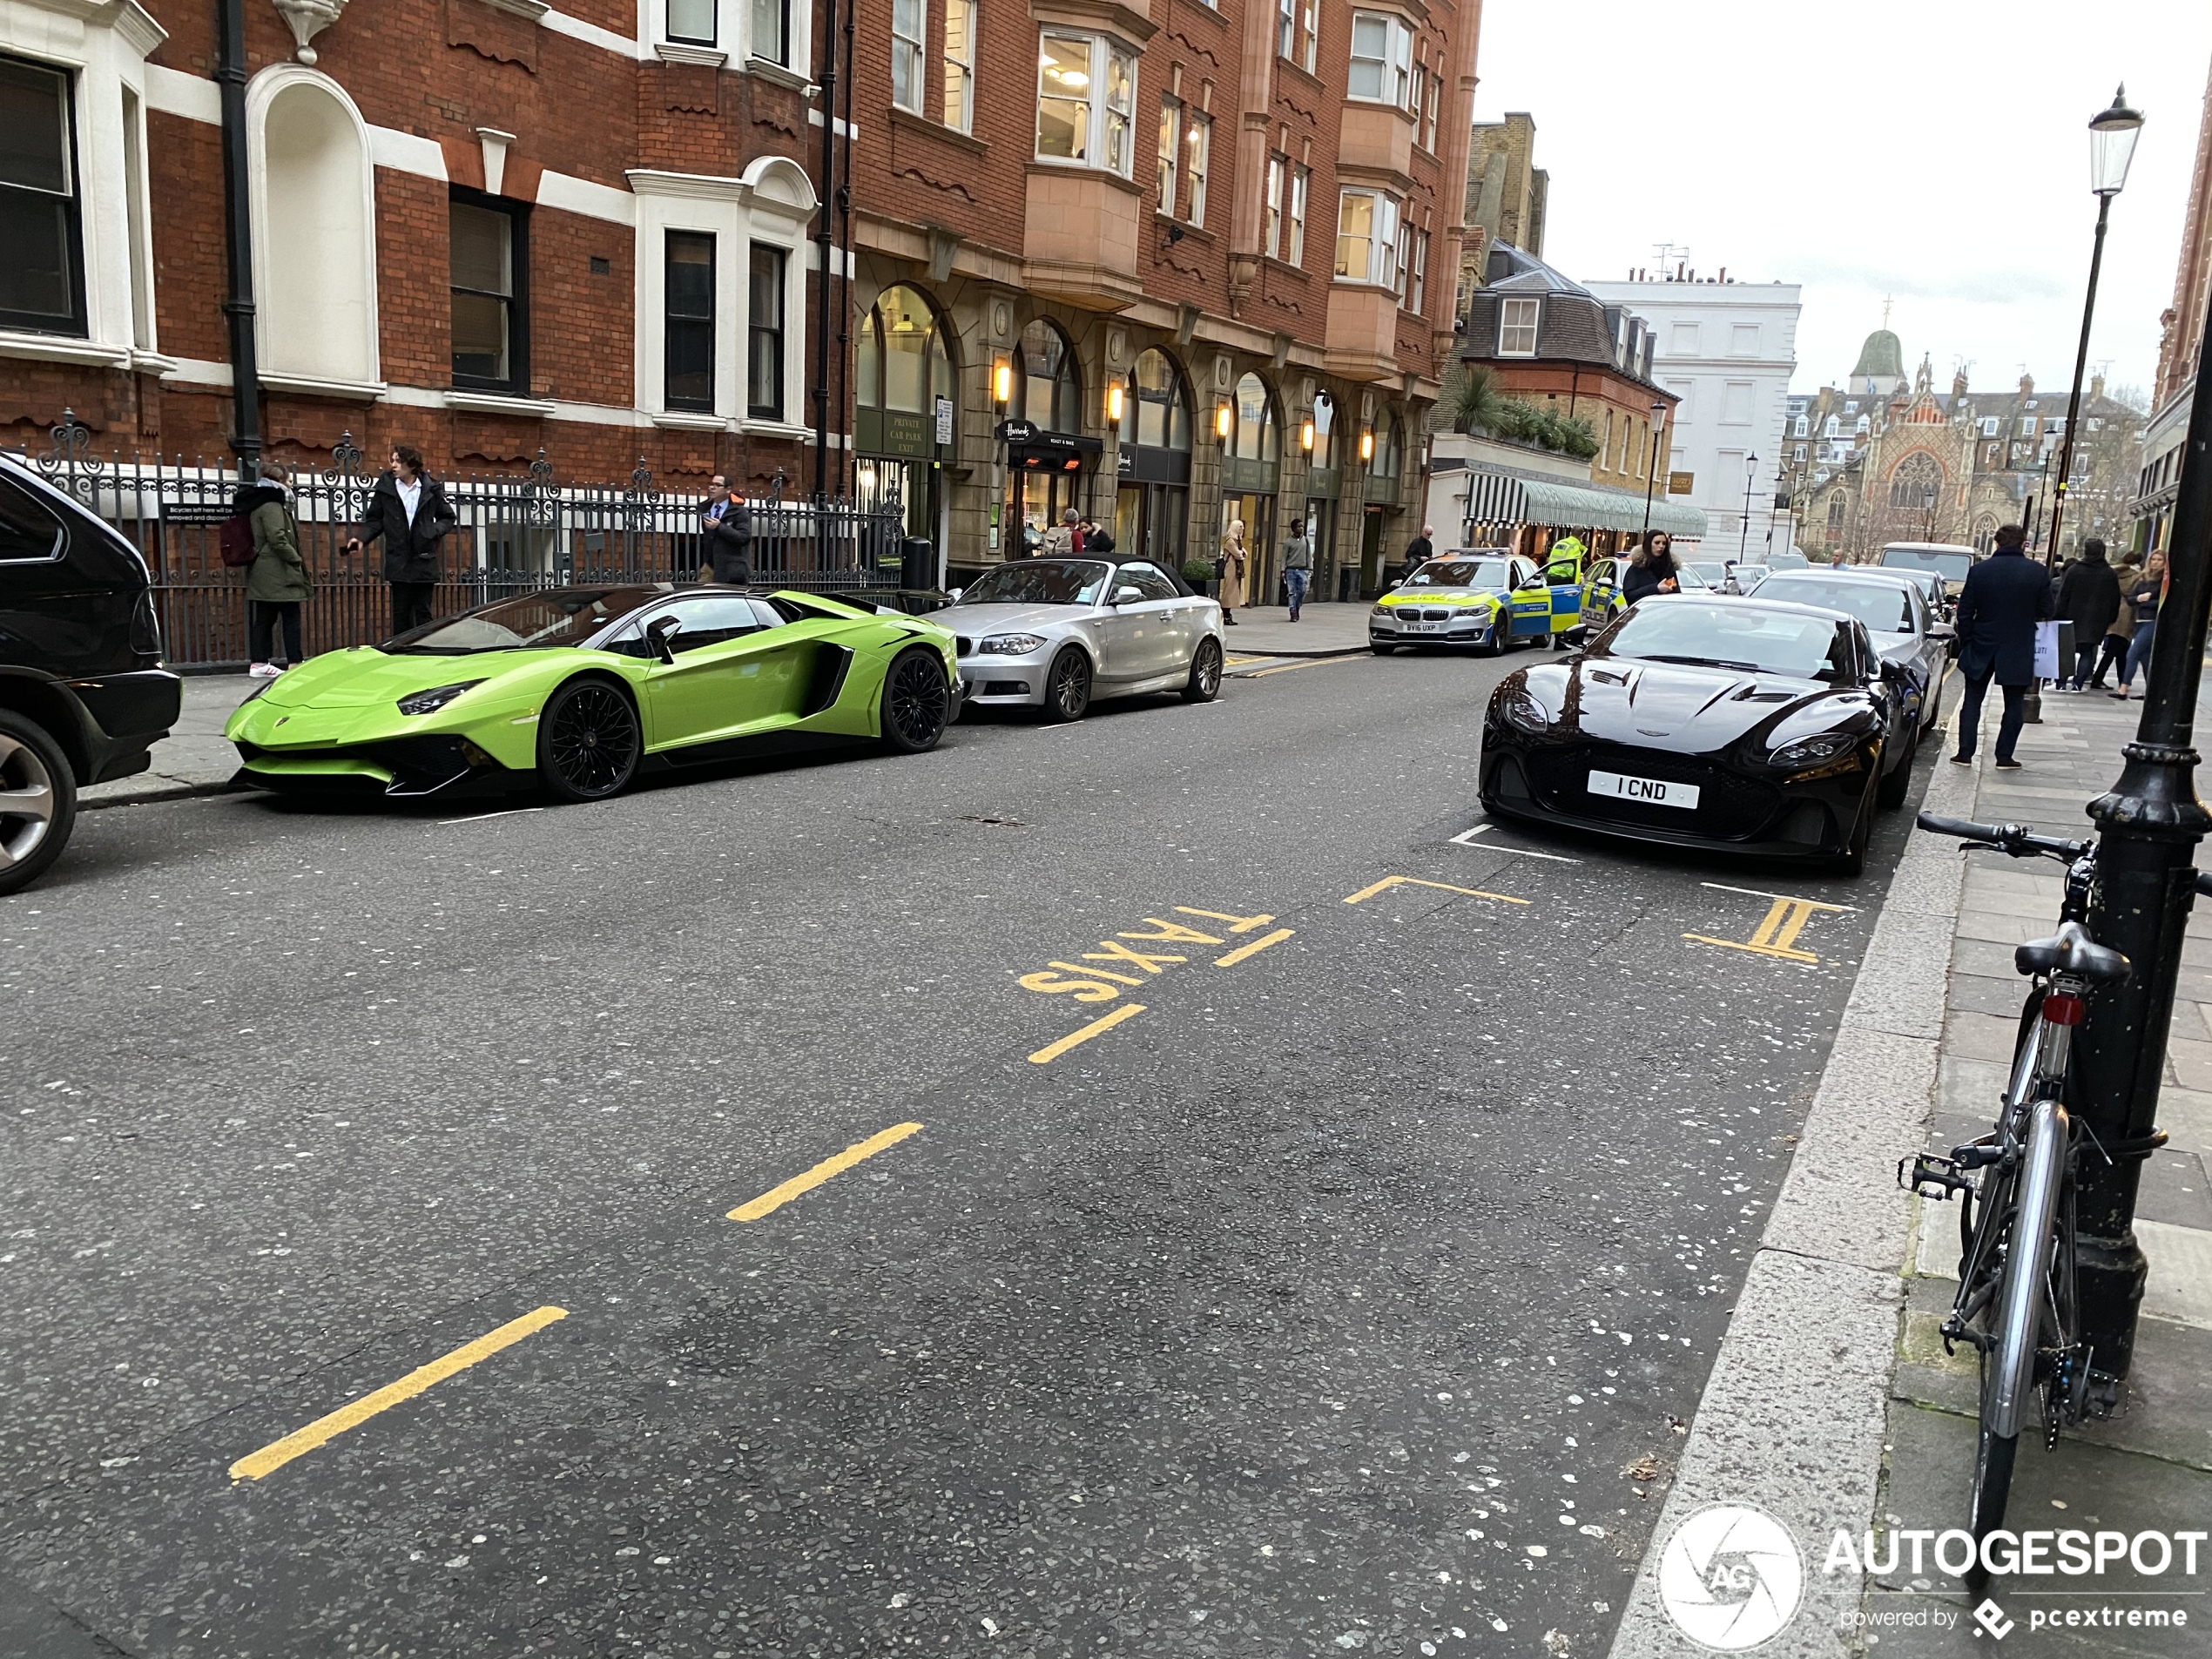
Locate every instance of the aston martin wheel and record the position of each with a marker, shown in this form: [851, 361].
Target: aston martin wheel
[1067, 686]
[38, 801]
[1892, 790]
[1205, 684]
[1853, 860]
[588, 740]
[916, 701]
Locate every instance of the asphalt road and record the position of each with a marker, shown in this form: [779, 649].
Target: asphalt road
[1351, 1296]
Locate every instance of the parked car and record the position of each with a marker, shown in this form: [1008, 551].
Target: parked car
[579, 689]
[1488, 598]
[84, 697]
[1744, 576]
[1893, 605]
[1738, 725]
[1946, 559]
[1054, 634]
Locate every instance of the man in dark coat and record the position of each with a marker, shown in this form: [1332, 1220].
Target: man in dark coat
[1999, 605]
[2088, 597]
[728, 543]
[408, 511]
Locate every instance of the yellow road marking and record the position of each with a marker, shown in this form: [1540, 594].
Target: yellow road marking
[1777, 934]
[1761, 892]
[1052, 1051]
[776, 1197]
[1239, 924]
[1390, 881]
[1094, 973]
[323, 1430]
[1252, 949]
[1315, 662]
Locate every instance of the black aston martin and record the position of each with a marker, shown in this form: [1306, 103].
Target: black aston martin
[1744, 725]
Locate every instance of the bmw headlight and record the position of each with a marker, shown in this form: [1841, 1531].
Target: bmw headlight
[1010, 645]
[431, 701]
[1380, 611]
[1807, 751]
[1523, 711]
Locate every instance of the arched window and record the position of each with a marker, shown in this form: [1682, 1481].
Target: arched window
[1156, 414]
[1049, 390]
[1325, 432]
[1916, 484]
[1835, 511]
[905, 360]
[314, 230]
[1258, 435]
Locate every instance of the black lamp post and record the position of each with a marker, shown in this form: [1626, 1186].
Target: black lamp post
[2148, 826]
[1651, 472]
[1750, 477]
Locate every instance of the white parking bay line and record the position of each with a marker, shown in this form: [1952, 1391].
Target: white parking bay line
[1465, 838]
[1761, 892]
[478, 818]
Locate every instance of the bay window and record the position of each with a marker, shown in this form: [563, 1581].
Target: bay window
[691, 22]
[1382, 59]
[909, 28]
[1086, 100]
[1274, 207]
[764, 334]
[1367, 238]
[1197, 153]
[688, 322]
[770, 30]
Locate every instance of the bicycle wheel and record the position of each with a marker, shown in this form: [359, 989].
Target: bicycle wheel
[2018, 1307]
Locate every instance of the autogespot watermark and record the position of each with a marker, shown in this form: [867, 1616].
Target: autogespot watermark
[1731, 1578]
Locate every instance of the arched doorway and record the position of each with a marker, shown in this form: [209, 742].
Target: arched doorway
[1251, 464]
[1152, 508]
[1044, 475]
[906, 385]
[1324, 486]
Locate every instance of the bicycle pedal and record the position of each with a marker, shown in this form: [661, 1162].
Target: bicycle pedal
[1928, 1176]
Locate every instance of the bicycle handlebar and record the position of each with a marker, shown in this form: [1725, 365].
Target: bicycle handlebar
[2016, 840]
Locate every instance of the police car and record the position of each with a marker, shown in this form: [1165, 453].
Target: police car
[1487, 599]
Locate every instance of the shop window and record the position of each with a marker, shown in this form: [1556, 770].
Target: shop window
[904, 363]
[764, 334]
[42, 282]
[1390, 446]
[688, 302]
[1048, 386]
[489, 262]
[1156, 414]
[1382, 59]
[1086, 100]
[1323, 457]
[1257, 434]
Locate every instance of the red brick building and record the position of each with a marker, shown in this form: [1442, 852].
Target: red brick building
[1199, 256]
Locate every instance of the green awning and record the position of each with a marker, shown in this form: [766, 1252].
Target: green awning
[1499, 500]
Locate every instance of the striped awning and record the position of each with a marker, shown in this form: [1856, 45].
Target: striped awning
[1502, 499]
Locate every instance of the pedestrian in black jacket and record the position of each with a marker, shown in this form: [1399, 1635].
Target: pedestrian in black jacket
[728, 543]
[1999, 605]
[1651, 569]
[2089, 598]
[407, 510]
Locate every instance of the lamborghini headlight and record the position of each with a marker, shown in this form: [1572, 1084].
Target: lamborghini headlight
[1523, 711]
[431, 701]
[1010, 645]
[1807, 751]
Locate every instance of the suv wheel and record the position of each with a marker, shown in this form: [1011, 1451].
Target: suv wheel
[38, 801]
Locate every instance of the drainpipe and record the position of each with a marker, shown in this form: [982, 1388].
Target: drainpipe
[827, 191]
[238, 239]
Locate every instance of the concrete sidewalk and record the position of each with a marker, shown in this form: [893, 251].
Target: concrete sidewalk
[1832, 1405]
[194, 758]
[1321, 630]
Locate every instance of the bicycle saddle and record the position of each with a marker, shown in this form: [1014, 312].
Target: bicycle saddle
[2071, 951]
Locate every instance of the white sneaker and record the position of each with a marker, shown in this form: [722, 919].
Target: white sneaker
[263, 672]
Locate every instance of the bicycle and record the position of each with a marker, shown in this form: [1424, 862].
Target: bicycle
[2016, 1304]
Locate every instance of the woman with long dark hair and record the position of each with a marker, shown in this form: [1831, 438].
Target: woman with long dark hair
[1651, 569]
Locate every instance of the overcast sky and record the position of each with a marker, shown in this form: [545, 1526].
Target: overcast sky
[1935, 151]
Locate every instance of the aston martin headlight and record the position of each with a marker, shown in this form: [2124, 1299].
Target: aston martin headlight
[1010, 645]
[1523, 711]
[431, 701]
[1807, 751]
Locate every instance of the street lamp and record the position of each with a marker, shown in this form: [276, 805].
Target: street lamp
[1651, 472]
[1750, 477]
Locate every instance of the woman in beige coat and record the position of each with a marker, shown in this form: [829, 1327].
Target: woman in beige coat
[1233, 560]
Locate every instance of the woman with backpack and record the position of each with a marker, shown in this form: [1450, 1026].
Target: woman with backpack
[278, 582]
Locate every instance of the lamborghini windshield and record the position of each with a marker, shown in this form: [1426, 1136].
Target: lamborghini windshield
[556, 617]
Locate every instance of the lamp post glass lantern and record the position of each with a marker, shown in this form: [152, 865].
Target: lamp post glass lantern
[1651, 467]
[1750, 477]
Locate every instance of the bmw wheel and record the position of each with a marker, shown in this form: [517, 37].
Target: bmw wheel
[915, 702]
[1205, 684]
[588, 740]
[38, 801]
[1067, 686]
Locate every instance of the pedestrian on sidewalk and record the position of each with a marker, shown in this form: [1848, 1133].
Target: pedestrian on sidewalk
[1097, 539]
[278, 581]
[2088, 597]
[2122, 629]
[408, 511]
[1651, 569]
[1420, 550]
[729, 545]
[1999, 603]
[2143, 596]
[1233, 561]
[1298, 566]
[1060, 541]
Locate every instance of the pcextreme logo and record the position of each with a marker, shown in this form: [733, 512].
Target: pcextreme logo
[1731, 1577]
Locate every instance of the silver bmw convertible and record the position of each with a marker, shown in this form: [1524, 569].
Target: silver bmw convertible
[1054, 634]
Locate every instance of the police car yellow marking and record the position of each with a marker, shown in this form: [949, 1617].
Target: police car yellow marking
[1252, 949]
[1777, 934]
[1390, 881]
[1052, 1051]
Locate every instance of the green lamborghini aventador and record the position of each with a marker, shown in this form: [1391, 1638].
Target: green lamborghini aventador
[581, 688]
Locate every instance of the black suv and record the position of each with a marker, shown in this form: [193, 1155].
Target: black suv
[82, 695]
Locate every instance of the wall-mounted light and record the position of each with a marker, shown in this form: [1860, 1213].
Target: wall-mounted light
[1224, 421]
[1002, 381]
[1114, 404]
[1305, 438]
[1367, 444]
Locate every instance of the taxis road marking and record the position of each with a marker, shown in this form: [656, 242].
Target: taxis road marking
[1465, 838]
[776, 1197]
[1052, 1051]
[1390, 881]
[1777, 934]
[1238, 924]
[1252, 949]
[323, 1430]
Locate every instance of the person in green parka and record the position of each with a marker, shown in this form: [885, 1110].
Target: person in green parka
[278, 580]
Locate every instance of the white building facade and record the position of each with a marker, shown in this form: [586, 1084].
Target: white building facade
[1727, 349]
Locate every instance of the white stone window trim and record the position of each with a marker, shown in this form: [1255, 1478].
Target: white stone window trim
[103, 47]
[260, 92]
[1515, 308]
[732, 39]
[1397, 62]
[1105, 48]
